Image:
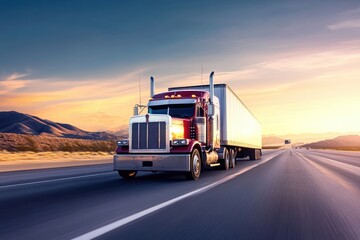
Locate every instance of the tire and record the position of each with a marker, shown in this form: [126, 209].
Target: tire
[195, 166]
[252, 154]
[232, 158]
[225, 164]
[255, 154]
[127, 174]
[258, 154]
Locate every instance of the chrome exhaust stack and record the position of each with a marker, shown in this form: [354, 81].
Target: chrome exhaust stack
[152, 87]
[211, 110]
[211, 107]
[211, 85]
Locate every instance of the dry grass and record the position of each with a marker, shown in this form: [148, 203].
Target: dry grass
[11, 157]
[23, 143]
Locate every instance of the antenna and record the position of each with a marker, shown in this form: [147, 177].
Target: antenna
[201, 73]
[139, 106]
[139, 90]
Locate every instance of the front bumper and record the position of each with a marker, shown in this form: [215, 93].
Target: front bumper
[153, 162]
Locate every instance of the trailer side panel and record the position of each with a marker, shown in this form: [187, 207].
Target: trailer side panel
[238, 126]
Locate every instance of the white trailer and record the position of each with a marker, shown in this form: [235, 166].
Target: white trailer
[238, 126]
[187, 128]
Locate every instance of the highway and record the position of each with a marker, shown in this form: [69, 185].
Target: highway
[288, 194]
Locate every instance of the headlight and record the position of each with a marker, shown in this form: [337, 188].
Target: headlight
[123, 143]
[180, 142]
[177, 131]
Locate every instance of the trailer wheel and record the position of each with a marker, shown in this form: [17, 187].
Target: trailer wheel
[252, 154]
[232, 158]
[255, 154]
[127, 174]
[226, 161]
[195, 166]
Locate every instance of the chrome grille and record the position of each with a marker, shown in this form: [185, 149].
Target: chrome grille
[151, 135]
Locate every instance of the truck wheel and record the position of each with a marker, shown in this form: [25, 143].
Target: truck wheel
[195, 166]
[232, 158]
[127, 174]
[258, 154]
[226, 161]
[255, 154]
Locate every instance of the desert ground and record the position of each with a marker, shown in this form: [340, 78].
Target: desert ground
[14, 161]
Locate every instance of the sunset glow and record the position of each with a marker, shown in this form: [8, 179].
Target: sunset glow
[301, 78]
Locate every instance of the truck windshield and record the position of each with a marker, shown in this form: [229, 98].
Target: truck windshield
[178, 111]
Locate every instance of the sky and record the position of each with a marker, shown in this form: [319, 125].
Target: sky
[295, 64]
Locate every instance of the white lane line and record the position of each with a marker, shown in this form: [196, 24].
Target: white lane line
[344, 166]
[107, 228]
[329, 173]
[351, 154]
[334, 160]
[54, 180]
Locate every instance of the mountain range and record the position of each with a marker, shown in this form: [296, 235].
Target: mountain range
[350, 142]
[20, 123]
[272, 141]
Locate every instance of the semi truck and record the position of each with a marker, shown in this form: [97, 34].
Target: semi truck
[188, 128]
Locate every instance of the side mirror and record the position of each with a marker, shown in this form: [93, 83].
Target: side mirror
[211, 109]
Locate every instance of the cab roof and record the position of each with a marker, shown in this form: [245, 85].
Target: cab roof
[183, 94]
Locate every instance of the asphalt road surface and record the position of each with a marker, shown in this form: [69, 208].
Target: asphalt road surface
[288, 194]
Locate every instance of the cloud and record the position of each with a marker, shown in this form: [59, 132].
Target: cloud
[346, 24]
[350, 12]
[93, 104]
[15, 76]
[313, 61]
[13, 82]
[278, 73]
[347, 20]
[306, 87]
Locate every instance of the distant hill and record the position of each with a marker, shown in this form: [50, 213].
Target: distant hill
[20, 123]
[121, 133]
[349, 142]
[272, 141]
[304, 138]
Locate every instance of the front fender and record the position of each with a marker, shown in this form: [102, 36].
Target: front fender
[186, 148]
